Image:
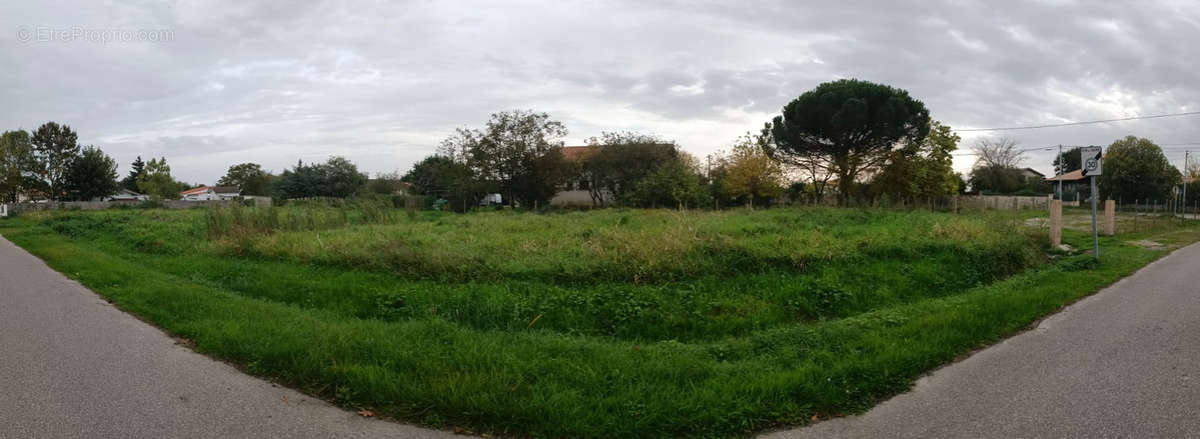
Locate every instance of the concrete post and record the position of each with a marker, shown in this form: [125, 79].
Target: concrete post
[1110, 217]
[1056, 223]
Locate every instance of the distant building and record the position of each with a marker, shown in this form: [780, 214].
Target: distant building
[211, 193]
[1074, 184]
[125, 195]
[1030, 173]
[576, 190]
[491, 200]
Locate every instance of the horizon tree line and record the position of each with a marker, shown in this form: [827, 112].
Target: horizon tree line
[858, 139]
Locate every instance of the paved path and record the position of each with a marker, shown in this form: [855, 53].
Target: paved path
[73, 366]
[1122, 363]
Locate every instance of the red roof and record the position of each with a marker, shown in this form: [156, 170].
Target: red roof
[1075, 175]
[195, 191]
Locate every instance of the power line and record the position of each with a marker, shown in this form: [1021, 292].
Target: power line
[1090, 122]
[1038, 148]
[1168, 148]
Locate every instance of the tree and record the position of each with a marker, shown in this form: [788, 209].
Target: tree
[1192, 172]
[996, 179]
[385, 183]
[541, 178]
[674, 184]
[337, 177]
[926, 171]
[437, 175]
[17, 165]
[443, 177]
[342, 178]
[621, 160]
[850, 126]
[813, 166]
[136, 170]
[249, 178]
[750, 173]
[91, 175]
[54, 147]
[513, 154]
[715, 172]
[996, 162]
[157, 182]
[936, 161]
[997, 153]
[302, 181]
[1069, 161]
[1136, 169]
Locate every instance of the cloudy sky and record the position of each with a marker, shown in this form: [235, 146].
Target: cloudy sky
[212, 83]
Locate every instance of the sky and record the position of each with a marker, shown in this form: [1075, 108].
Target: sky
[208, 84]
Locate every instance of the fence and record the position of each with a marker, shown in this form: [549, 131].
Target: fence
[1003, 202]
[955, 203]
[17, 208]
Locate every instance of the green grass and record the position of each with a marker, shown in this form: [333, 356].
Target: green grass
[599, 324]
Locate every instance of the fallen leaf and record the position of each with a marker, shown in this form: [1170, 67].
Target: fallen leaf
[366, 413]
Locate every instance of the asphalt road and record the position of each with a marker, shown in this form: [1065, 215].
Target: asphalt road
[1124, 362]
[73, 366]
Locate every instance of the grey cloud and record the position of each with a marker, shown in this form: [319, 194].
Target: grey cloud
[276, 81]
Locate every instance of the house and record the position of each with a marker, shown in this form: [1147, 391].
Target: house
[210, 193]
[1031, 173]
[576, 191]
[1073, 183]
[125, 195]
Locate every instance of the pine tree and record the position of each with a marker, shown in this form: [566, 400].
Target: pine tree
[136, 170]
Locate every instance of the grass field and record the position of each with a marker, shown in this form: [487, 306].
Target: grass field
[599, 324]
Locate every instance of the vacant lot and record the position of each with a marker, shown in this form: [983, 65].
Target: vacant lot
[611, 323]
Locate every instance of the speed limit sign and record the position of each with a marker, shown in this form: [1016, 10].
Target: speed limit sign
[1091, 161]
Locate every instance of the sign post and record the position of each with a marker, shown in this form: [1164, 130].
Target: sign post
[1185, 181]
[1090, 158]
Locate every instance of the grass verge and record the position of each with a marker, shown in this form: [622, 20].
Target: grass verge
[531, 381]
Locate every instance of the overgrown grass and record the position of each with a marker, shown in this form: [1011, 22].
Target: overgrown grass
[600, 324]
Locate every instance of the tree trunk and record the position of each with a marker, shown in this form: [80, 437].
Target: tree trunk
[845, 182]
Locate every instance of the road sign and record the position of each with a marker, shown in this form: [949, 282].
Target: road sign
[1090, 159]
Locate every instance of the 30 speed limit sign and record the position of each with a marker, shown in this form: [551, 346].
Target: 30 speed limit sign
[1091, 161]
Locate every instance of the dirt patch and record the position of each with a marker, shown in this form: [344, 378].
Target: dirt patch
[1152, 245]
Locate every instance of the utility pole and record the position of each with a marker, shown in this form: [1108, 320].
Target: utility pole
[1185, 182]
[1060, 171]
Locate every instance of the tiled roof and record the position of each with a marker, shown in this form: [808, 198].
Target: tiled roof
[195, 191]
[1075, 175]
